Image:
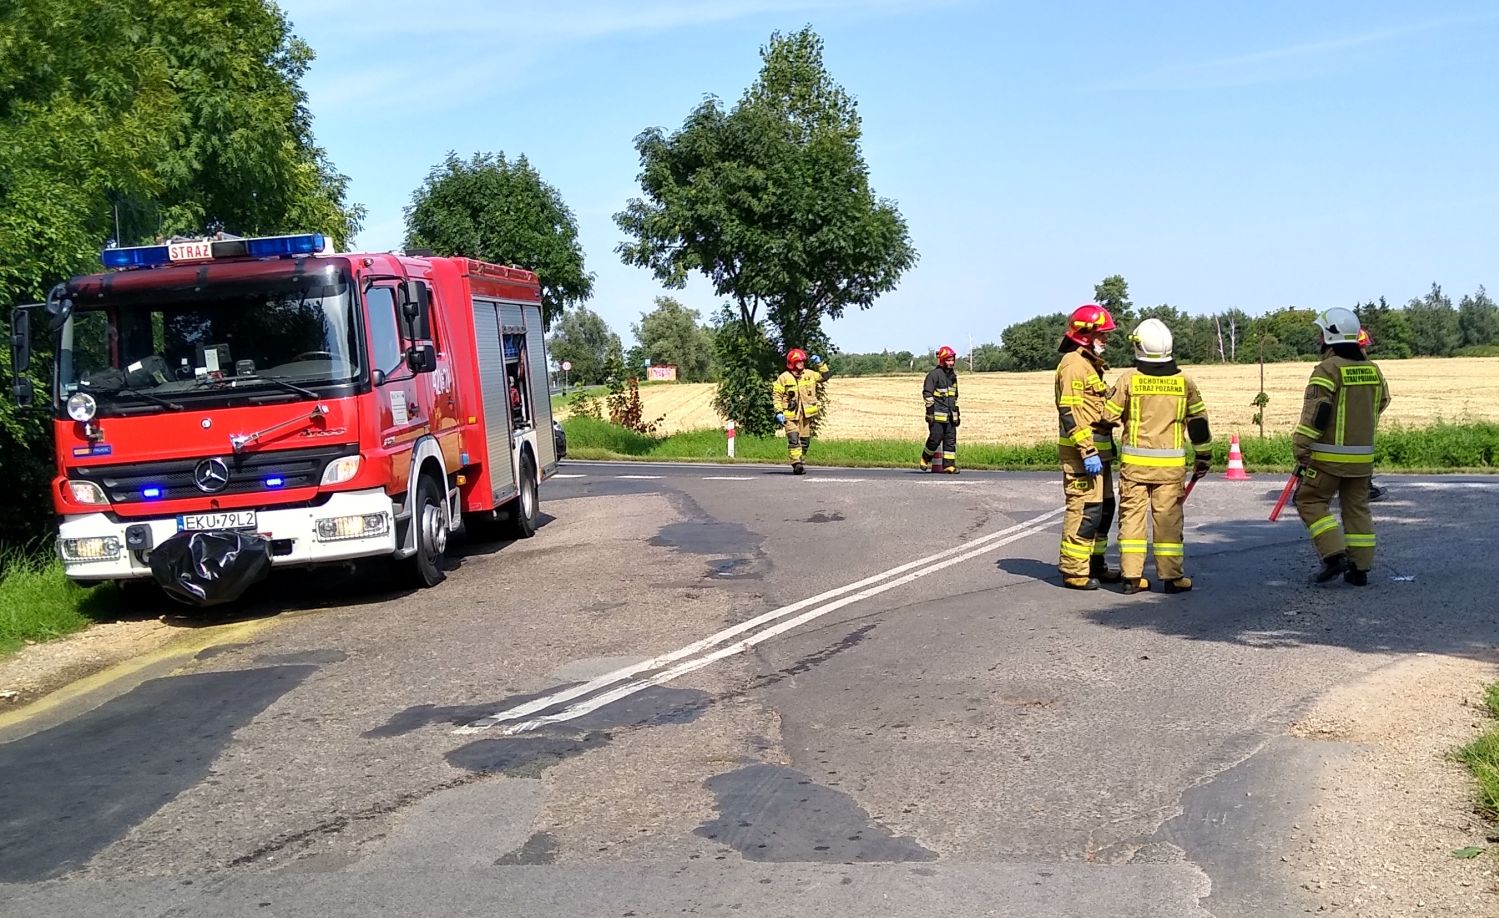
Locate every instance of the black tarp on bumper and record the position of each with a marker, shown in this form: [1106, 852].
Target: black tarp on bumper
[210, 567]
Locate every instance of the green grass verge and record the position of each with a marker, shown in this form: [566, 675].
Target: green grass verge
[1442, 447]
[38, 603]
[1482, 756]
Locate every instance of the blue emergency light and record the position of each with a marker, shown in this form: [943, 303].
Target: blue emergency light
[153, 256]
[274, 482]
[151, 493]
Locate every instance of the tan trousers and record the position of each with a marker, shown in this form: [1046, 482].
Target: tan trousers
[798, 438]
[1086, 522]
[1313, 501]
[1161, 502]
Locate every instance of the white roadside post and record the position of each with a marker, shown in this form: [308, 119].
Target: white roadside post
[729, 431]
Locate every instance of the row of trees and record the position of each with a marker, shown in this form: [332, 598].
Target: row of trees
[668, 335]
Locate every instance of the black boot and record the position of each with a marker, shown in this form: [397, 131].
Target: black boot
[1100, 571]
[1356, 577]
[798, 469]
[1332, 566]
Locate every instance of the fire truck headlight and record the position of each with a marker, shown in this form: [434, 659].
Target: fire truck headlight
[98, 548]
[82, 407]
[341, 470]
[86, 492]
[362, 526]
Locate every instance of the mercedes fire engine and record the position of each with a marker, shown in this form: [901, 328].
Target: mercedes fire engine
[226, 405]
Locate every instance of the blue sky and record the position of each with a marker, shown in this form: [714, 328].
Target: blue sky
[1253, 155]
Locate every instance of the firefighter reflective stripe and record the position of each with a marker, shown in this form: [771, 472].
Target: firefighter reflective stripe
[1332, 452]
[1139, 455]
[1319, 526]
[1197, 408]
[949, 456]
[1133, 546]
[1082, 552]
[1170, 549]
[1327, 384]
[939, 417]
[945, 393]
[1306, 431]
[1100, 546]
[1359, 539]
[1113, 410]
[1071, 401]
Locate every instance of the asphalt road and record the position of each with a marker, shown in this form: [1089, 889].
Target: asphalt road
[728, 691]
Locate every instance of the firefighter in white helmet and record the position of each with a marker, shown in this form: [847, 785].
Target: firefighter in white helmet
[1159, 410]
[1334, 449]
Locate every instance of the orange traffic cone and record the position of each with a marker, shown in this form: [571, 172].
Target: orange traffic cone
[1235, 462]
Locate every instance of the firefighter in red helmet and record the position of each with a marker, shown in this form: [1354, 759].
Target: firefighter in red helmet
[940, 393]
[1085, 449]
[797, 405]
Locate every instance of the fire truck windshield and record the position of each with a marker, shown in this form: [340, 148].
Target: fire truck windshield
[219, 344]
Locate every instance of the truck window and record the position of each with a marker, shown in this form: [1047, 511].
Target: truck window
[386, 352]
[516, 381]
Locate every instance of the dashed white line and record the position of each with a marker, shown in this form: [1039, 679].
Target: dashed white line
[727, 478]
[568, 475]
[640, 477]
[862, 589]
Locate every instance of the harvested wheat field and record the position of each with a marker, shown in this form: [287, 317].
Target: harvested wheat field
[1017, 407]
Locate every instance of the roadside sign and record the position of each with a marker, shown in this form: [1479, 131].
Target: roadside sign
[567, 366]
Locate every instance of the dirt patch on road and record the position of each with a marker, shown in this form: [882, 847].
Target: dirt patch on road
[1380, 842]
[39, 669]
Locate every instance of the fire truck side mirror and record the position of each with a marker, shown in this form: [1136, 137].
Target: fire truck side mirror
[421, 358]
[416, 309]
[20, 356]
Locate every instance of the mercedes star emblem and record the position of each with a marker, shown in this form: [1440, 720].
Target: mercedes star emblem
[211, 476]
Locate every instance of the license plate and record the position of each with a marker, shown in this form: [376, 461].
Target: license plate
[190, 251]
[234, 519]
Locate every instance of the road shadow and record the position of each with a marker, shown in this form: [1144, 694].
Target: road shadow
[1030, 569]
[1253, 586]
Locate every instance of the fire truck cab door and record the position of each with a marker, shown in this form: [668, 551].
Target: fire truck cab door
[402, 398]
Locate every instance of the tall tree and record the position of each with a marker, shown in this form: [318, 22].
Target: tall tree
[1435, 330]
[1032, 344]
[672, 335]
[771, 201]
[584, 338]
[1478, 318]
[500, 210]
[136, 119]
[1389, 327]
[1112, 293]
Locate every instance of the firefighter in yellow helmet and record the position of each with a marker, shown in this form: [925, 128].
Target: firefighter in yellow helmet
[940, 393]
[1334, 449]
[1085, 449]
[1159, 410]
[796, 402]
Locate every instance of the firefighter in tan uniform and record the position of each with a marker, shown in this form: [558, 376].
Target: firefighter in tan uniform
[1158, 409]
[1085, 449]
[1334, 449]
[796, 402]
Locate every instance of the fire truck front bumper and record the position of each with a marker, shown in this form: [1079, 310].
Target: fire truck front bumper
[350, 524]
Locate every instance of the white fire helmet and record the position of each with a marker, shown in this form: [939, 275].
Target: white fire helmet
[1339, 326]
[1152, 341]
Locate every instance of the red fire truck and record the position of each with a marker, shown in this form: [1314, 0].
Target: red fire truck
[226, 405]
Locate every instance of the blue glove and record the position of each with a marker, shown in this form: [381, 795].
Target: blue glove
[816, 360]
[1093, 465]
[780, 419]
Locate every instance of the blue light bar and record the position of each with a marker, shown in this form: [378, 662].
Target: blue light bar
[151, 493]
[141, 256]
[273, 246]
[274, 482]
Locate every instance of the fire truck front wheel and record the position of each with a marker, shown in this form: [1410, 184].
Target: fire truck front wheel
[425, 568]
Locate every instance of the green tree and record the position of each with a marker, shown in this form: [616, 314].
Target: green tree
[501, 211]
[671, 334]
[990, 358]
[133, 120]
[1389, 327]
[1112, 293]
[1435, 329]
[771, 201]
[1032, 344]
[584, 338]
[1478, 318]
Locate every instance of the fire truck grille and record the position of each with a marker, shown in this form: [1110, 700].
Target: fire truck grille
[177, 479]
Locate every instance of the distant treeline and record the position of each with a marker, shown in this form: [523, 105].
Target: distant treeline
[1429, 326]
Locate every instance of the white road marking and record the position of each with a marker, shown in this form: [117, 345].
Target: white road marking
[639, 477]
[816, 477]
[1443, 485]
[568, 475]
[727, 478]
[862, 589]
